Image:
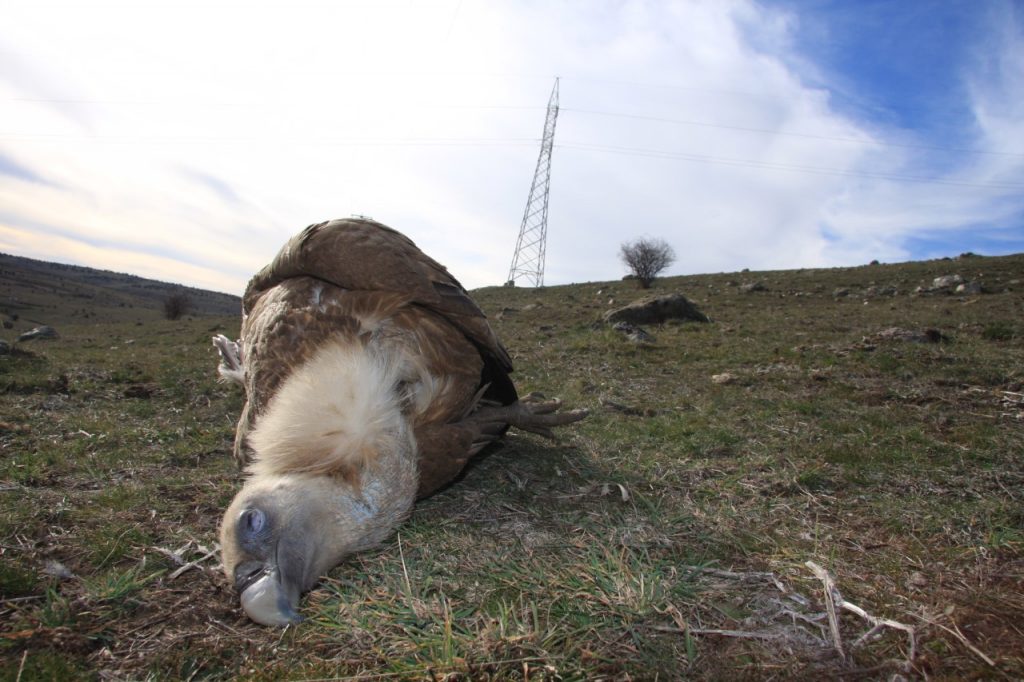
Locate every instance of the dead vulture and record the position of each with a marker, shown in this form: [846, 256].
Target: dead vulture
[371, 379]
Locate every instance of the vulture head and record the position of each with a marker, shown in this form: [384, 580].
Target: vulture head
[371, 379]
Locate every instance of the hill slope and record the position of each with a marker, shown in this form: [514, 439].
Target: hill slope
[39, 292]
[877, 435]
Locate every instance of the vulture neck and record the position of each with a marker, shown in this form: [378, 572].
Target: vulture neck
[338, 420]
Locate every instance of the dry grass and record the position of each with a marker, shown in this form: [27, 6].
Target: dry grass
[668, 536]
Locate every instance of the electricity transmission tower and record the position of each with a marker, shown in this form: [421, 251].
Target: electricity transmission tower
[528, 260]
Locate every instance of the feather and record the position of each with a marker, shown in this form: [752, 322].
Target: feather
[352, 303]
[332, 416]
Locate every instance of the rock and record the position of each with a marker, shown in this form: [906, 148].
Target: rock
[724, 378]
[969, 288]
[656, 310]
[505, 311]
[840, 293]
[56, 569]
[752, 287]
[44, 332]
[899, 334]
[5, 348]
[879, 291]
[947, 281]
[634, 333]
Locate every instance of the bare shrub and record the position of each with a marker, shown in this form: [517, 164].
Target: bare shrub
[646, 258]
[176, 305]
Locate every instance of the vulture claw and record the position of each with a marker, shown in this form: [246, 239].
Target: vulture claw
[230, 368]
[532, 413]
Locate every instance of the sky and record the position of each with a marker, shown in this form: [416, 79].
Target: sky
[187, 141]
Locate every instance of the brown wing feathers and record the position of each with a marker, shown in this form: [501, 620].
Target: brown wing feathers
[344, 276]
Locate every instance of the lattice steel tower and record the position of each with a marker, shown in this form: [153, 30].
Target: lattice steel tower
[528, 260]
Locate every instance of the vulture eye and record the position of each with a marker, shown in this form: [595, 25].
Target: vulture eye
[253, 521]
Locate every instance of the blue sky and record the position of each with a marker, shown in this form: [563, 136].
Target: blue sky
[187, 141]
[897, 63]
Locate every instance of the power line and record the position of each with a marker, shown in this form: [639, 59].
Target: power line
[509, 142]
[519, 107]
[364, 142]
[751, 163]
[768, 131]
[247, 104]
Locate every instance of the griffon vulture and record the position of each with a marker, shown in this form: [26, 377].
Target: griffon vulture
[371, 379]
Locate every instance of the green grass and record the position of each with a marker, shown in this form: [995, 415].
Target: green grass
[610, 554]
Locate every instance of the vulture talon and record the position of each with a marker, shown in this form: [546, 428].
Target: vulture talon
[230, 368]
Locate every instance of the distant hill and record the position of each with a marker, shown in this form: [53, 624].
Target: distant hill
[34, 292]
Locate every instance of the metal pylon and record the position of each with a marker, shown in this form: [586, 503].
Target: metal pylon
[528, 260]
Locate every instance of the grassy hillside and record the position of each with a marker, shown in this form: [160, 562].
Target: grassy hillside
[667, 536]
[34, 292]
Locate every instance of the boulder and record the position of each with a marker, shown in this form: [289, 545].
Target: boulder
[947, 282]
[657, 310]
[44, 332]
[877, 291]
[969, 288]
[751, 287]
[950, 284]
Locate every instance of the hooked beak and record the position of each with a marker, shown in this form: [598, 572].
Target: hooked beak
[269, 602]
[267, 596]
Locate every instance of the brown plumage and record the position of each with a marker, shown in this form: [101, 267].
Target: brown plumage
[371, 378]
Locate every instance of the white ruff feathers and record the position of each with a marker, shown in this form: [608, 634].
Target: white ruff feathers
[334, 415]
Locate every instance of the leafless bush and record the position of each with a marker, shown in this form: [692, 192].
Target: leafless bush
[646, 258]
[176, 305]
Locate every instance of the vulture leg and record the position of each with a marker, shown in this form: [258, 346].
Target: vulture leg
[230, 367]
[446, 448]
[532, 413]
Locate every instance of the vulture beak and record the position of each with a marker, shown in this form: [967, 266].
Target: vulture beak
[266, 595]
[271, 556]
